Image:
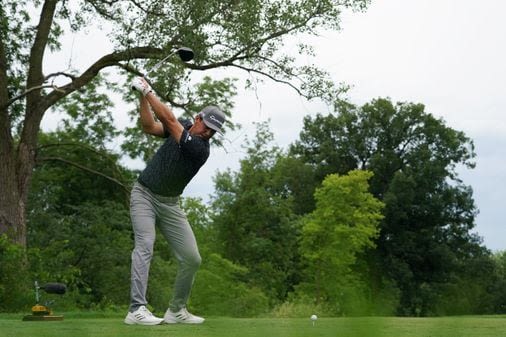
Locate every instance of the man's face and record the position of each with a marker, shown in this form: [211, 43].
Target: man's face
[200, 129]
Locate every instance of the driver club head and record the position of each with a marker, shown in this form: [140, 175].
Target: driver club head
[185, 54]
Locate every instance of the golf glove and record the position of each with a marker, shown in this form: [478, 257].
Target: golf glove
[141, 86]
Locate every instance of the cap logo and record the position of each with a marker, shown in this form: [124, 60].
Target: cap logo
[215, 119]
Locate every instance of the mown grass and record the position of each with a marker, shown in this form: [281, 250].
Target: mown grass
[111, 325]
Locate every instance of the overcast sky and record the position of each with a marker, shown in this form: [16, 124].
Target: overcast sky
[447, 54]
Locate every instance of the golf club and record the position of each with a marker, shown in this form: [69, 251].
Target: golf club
[185, 54]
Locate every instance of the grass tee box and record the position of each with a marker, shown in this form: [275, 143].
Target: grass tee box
[111, 325]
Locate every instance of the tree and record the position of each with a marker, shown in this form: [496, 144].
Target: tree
[498, 288]
[344, 223]
[254, 219]
[245, 35]
[429, 213]
[296, 180]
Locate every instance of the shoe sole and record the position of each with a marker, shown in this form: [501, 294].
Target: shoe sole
[130, 322]
[181, 322]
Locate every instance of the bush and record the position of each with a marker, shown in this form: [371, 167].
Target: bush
[300, 308]
[88, 250]
[15, 281]
[162, 275]
[220, 290]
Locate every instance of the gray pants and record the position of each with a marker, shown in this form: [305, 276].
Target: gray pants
[146, 210]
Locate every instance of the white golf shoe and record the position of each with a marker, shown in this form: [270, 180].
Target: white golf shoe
[182, 316]
[142, 316]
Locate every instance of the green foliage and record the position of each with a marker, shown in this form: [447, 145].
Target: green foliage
[14, 276]
[88, 113]
[254, 220]
[162, 274]
[426, 235]
[267, 240]
[296, 180]
[70, 171]
[343, 225]
[498, 283]
[246, 34]
[87, 249]
[220, 289]
[79, 225]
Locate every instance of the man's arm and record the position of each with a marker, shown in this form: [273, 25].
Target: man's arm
[166, 116]
[149, 125]
[163, 112]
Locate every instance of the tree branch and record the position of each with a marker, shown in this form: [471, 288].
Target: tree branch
[251, 70]
[60, 73]
[259, 43]
[279, 66]
[20, 96]
[145, 10]
[35, 77]
[243, 53]
[38, 87]
[84, 168]
[130, 69]
[86, 147]
[113, 59]
[103, 12]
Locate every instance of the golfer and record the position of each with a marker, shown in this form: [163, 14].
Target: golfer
[155, 200]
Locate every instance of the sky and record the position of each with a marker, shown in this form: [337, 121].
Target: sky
[447, 54]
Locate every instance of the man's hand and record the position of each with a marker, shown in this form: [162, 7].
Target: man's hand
[141, 85]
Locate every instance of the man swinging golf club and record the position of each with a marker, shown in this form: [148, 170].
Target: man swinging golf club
[155, 200]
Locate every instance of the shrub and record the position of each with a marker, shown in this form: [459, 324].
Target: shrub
[15, 282]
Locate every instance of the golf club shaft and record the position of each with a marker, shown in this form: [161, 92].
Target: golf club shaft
[185, 54]
[156, 66]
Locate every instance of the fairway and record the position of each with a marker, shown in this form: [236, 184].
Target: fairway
[81, 325]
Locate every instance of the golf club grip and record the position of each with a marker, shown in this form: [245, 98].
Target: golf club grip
[144, 75]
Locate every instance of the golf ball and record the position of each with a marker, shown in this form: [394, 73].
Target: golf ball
[314, 317]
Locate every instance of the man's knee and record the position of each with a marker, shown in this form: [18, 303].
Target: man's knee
[193, 261]
[144, 246]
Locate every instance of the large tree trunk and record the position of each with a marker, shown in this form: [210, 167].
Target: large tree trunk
[16, 168]
[12, 208]
[16, 164]
[12, 201]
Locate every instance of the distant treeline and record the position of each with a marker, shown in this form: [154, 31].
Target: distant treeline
[363, 215]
